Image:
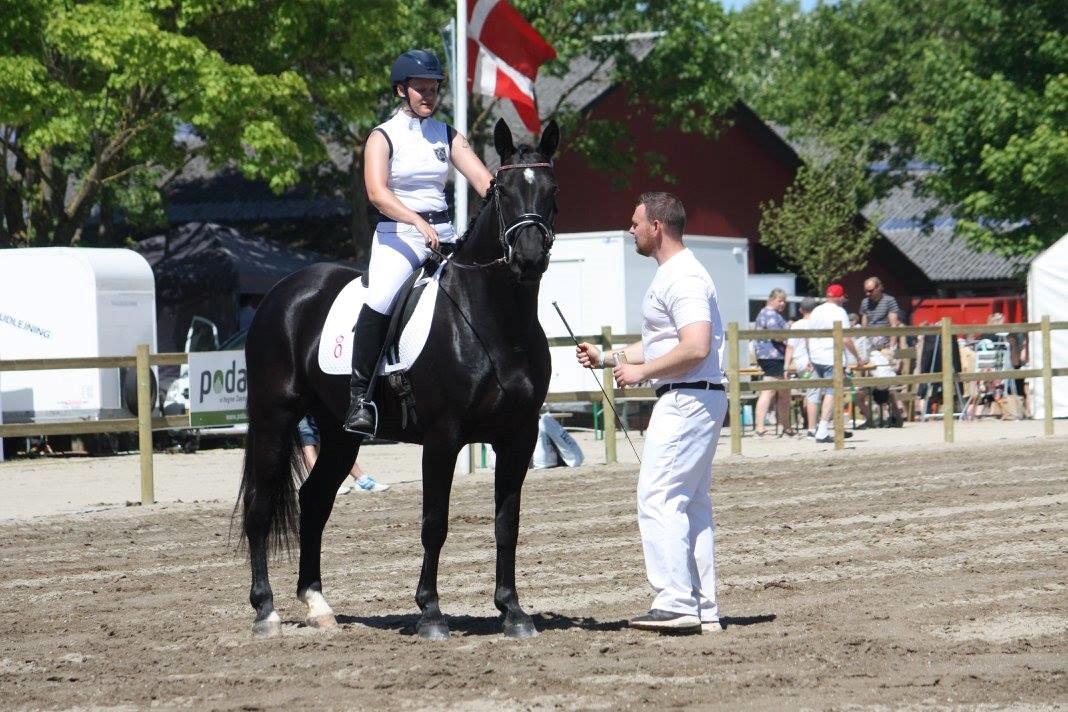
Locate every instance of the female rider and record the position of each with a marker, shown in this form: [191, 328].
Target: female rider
[406, 162]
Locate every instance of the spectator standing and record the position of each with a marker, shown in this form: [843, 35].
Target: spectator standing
[797, 358]
[771, 356]
[309, 447]
[879, 309]
[821, 352]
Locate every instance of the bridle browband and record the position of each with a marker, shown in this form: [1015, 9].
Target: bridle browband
[504, 232]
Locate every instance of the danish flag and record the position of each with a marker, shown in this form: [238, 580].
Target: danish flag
[509, 52]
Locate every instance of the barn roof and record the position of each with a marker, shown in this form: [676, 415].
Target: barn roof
[918, 227]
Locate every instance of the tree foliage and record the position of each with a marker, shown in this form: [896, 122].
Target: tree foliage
[102, 102]
[682, 80]
[92, 94]
[816, 227]
[977, 90]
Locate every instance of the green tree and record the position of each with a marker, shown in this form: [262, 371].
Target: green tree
[816, 228]
[683, 78]
[91, 94]
[103, 102]
[975, 89]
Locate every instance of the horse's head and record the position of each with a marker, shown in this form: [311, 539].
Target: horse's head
[525, 192]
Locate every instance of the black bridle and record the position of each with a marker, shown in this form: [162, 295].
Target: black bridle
[505, 232]
[523, 220]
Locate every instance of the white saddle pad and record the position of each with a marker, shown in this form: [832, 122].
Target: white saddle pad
[335, 343]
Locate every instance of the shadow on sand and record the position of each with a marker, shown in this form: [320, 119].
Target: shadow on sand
[491, 625]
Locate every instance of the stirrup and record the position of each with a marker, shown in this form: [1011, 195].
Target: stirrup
[374, 431]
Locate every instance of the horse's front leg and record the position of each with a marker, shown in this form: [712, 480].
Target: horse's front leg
[439, 463]
[513, 458]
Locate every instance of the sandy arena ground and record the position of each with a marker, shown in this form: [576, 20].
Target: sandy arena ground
[895, 575]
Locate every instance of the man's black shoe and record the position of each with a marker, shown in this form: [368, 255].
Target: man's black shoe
[667, 621]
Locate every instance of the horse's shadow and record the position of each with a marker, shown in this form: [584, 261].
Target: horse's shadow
[491, 625]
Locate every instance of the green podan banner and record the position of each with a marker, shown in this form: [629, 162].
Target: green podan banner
[218, 388]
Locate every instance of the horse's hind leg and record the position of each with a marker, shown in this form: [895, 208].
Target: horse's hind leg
[513, 457]
[266, 489]
[337, 453]
[439, 463]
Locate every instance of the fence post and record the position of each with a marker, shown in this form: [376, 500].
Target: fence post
[948, 391]
[144, 424]
[610, 402]
[839, 389]
[1047, 374]
[734, 383]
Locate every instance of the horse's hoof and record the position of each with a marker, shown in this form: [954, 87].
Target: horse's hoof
[432, 630]
[520, 630]
[323, 622]
[269, 627]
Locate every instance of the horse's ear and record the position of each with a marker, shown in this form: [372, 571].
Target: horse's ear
[550, 140]
[502, 140]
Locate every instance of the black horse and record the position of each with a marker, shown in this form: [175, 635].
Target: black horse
[482, 377]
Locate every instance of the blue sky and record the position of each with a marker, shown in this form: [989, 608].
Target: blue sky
[736, 4]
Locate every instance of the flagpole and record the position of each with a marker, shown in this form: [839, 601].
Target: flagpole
[466, 461]
[459, 84]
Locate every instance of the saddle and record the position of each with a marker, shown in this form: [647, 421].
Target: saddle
[407, 300]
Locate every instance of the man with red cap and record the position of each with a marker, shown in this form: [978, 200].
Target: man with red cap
[821, 351]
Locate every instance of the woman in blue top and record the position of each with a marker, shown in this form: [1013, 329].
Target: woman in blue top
[406, 163]
[771, 356]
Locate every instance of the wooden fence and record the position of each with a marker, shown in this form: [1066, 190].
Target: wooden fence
[144, 423]
[947, 377]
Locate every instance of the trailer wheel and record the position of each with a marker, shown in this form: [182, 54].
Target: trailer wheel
[128, 388]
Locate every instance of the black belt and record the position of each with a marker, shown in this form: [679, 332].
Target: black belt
[435, 217]
[695, 385]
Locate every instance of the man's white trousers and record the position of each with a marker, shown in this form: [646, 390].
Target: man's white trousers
[675, 502]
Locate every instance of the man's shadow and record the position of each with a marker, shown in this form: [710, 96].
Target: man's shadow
[491, 625]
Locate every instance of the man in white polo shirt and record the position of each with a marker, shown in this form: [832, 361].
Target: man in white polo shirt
[682, 333]
[821, 351]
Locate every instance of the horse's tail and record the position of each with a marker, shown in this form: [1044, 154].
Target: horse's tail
[271, 474]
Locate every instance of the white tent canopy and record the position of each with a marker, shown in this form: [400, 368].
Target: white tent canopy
[1047, 293]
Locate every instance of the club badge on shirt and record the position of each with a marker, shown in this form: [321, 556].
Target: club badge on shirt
[440, 153]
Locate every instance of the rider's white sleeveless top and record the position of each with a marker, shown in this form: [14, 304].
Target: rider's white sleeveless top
[418, 162]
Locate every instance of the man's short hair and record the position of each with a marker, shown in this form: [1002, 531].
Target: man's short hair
[667, 208]
[875, 280]
[808, 304]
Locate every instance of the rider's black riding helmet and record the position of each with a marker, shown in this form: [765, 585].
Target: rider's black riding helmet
[415, 64]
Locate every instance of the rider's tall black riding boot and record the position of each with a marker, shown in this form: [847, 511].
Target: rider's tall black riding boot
[369, 335]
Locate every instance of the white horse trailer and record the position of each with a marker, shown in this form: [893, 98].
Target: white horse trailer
[62, 302]
[599, 279]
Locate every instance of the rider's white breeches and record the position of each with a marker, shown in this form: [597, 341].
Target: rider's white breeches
[396, 251]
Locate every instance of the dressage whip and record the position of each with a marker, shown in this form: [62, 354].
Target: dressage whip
[607, 400]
